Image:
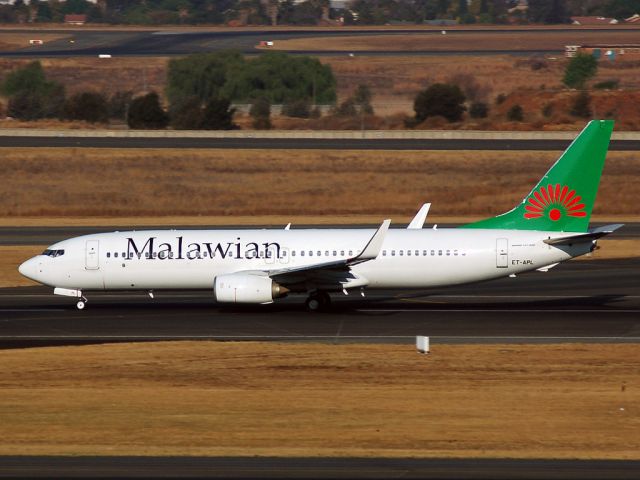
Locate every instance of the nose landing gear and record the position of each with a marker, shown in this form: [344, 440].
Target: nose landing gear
[317, 301]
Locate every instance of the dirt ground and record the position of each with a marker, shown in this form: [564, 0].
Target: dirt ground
[77, 182]
[208, 398]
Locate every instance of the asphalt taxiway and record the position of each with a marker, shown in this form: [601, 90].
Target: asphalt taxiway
[249, 142]
[580, 301]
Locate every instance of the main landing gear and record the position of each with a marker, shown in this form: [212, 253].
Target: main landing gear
[319, 300]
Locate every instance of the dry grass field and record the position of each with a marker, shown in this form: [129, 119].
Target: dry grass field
[453, 40]
[209, 398]
[76, 182]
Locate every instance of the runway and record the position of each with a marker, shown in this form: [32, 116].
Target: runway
[298, 143]
[580, 301]
[172, 42]
[314, 468]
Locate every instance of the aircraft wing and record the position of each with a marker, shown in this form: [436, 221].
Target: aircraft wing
[333, 273]
[592, 234]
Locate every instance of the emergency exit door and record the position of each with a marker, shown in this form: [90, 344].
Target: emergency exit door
[502, 252]
[92, 259]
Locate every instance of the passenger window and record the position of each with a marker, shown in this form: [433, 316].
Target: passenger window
[455, 252]
[351, 253]
[417, 253]
[147, 255]
[293, 253]
[310, 253]
[408, 253]
[326, 253]
[433, 253]
[440, 253]
[384, 253]
[424, 253]
[302, 253]
[342, 253]
[335, 254]
[108, 254]
[115, 254]
[448, 252]
[393, 253]
[401, 252]
[319, 253]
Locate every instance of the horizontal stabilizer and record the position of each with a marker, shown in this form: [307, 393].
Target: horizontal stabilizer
[592, 234]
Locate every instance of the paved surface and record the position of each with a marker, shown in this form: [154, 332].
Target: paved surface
[592, 301]
[301, 143]
[169, 43]
[313, 468]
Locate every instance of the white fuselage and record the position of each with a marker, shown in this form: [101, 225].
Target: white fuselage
[191, 259]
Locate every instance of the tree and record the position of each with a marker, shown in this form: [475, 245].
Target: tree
[31, 95]
[440, 99]
[145, 112]
[581, 106]
[261, 112]
[547, 11]
[218, 115]
[580, 69]
[87, 106]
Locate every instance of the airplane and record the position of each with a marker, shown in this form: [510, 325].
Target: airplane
[257, 266]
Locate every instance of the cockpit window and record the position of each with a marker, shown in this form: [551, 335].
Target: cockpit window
[53, 253]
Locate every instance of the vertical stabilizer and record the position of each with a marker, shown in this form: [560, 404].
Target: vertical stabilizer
[563, 199]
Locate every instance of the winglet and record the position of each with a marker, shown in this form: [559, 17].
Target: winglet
[421, 216]
[374, 246]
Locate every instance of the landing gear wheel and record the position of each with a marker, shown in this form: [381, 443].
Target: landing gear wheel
[313, 303]
[80, 305]
[318, 301]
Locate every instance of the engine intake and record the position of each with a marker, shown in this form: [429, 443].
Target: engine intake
[246, 288]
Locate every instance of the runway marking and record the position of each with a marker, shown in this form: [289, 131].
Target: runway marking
[13, 310]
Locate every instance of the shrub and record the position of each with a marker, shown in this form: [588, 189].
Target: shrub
[479, 110]
[187, 115]
[547, 110]
[439, 99]
[500, 99]
[297, 108]
[87, 106]
[581, 106]
[261, 112]
[515, 114]
[580, 69]
[607, 84]
[145, 112]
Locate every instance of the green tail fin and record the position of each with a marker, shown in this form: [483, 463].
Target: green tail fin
[564, 197]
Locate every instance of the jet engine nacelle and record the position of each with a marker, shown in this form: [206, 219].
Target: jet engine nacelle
[246, 288]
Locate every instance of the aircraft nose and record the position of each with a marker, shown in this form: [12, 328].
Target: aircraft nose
[29, 269]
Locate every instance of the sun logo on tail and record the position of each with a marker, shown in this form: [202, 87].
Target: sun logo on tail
[554, 201]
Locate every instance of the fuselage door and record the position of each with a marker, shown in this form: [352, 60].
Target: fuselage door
[92, 259]
[502, 252]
